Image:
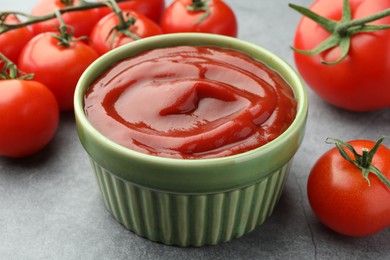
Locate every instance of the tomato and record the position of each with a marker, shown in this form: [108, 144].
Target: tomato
[104, 39]
[58, 67]
[360, 82]
[343, 199]
[29, 117]
[152, 9]
[12, 42]
[81, 21]
[178, 18]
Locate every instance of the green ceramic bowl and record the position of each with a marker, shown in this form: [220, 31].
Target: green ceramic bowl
[190, 202]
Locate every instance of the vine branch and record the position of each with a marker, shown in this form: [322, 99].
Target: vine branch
[31, 19]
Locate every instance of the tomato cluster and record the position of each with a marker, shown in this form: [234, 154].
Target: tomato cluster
[58, 50]
[139, 19]
[337, 45]
[341, 50]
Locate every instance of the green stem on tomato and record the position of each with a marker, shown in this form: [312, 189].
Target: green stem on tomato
[340, 31]
[125, 23]
[9, 70]
[362, 161]
[200, 5]
[65, 36]
[365, 158]
[31, 19]
[65, 32]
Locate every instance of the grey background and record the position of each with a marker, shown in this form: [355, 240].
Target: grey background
[50, 206]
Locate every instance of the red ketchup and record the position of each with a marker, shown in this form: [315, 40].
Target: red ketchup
[190, 102]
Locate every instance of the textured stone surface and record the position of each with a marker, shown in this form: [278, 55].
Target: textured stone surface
[50, 206]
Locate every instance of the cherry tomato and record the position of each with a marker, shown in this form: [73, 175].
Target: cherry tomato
[56, 66]
[343, 199]
[29, 117]
[102, 35]
[152, 9]
[178, 18]
[361, 81]
[12, 42]
[82, 22]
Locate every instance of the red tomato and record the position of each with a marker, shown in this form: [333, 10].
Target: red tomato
[152, 9]
[29, 117]
[81, 21]
[12, 42]
[343, 199]
[56, 66]
[101, 36]
[221, 19]
[361, 81]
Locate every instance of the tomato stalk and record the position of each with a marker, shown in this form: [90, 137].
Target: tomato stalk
[65, 36]
[31, 19]
[340, 31]
[10, 70]
[125, 23]
[200, 5]
[362, 161]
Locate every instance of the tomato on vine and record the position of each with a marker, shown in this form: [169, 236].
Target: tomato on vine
[350, 191]
[152, 9]
[342, 51]
[57, 60]
[12, 42]
[28, 110]
[119, 28]
[207, 16]
[81, 21]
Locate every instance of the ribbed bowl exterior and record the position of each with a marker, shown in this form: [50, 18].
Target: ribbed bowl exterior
[190, 219]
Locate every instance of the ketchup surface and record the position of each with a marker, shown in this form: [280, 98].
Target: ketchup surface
[190, 102]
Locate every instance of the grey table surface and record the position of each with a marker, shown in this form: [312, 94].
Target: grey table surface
[50, 206]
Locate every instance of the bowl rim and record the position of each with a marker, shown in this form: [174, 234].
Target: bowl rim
[122, 52]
